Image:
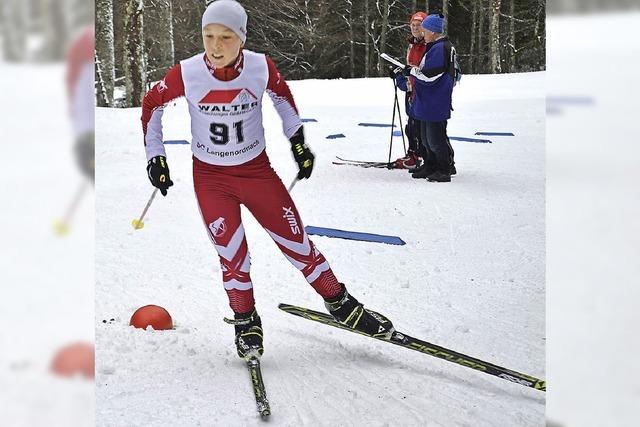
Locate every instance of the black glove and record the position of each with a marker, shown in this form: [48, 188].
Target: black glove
[84, 151]
[158, 171]
[395, 72]
[302, 155]
[406, 71]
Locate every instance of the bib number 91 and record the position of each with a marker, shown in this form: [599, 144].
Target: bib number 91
[220, 133]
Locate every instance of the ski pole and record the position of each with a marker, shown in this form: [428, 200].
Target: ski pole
[293, 183]
[137, 223]
[393, 118]
[404, 145]
[61, 227]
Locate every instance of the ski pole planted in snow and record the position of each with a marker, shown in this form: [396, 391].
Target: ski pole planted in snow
[137, 223]
[61, 226]
[396, 107]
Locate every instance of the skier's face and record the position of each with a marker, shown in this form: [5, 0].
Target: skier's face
[429, 36]
[416, 28]
[221, 44]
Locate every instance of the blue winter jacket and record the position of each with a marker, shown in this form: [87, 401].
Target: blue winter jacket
[432, 84]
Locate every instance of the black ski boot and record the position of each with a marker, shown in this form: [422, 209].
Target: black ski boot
[439, 176]
[248, 334]
[423, 172]
[417, 168]
[348, 311]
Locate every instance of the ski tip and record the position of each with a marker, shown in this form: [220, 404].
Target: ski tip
[265, 415]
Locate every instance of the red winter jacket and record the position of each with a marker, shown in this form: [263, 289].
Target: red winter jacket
[415, 51]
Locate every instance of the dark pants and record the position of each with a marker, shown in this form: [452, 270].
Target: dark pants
[414, 134]
[437, 145]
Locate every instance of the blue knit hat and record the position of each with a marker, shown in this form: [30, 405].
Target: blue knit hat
[434, 23]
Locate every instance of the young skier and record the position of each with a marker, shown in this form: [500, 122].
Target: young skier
[79, 79]
[415, 51]
[224, 87]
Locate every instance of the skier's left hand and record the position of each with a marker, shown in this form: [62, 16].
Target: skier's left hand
[302, 154]
[406, 71]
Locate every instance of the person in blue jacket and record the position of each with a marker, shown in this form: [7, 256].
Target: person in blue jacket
[433, 82]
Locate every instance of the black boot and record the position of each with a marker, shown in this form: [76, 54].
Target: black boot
[348, 311]
[452, 169]
[439, 176]
[424, 172]
[416, 169]
[248, 334]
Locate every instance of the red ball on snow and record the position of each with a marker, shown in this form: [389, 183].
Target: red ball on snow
[75, 359]
[152, 315]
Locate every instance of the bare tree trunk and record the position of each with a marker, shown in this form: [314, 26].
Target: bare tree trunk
[165, 38]
[352, 54]
[134, 53]
[13, 23]
[383, 33]
[55, 28]
[472, 43]
[426, 6]
[494, 37]
[171, 54]
[480, 58]
[105, 53]
[367, 60]
[512, 37]
[414, 6]
[102, 93]
[540, 14]
[82, 13]
[445, 13]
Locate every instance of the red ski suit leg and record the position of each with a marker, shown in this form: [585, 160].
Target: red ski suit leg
[220, 208]
[220, 190]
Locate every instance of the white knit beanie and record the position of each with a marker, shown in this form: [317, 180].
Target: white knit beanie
[229, 13]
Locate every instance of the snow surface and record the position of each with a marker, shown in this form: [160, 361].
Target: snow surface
[470, 278]
[593, 211]
[47, 281]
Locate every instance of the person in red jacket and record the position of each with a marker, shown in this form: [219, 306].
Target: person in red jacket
[224, 87]
[415, 52]
[79, 83]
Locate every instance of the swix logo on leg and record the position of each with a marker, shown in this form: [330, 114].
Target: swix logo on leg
[291, 219]
[218, 227]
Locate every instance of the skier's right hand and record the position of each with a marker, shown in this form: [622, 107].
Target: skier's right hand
[158, 172]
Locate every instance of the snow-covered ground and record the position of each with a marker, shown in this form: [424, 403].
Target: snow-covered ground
[471, 276]
[46, 281]
[592, 241]
[593, 206]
